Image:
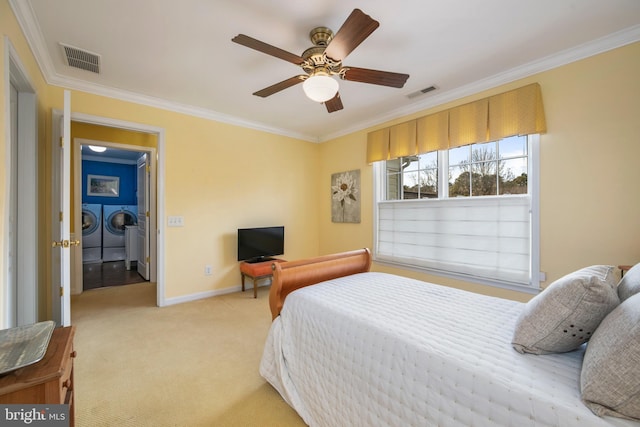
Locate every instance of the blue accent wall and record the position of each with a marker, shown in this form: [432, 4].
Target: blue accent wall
[128, 182]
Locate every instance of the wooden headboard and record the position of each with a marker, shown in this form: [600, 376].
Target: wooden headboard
[292, 275]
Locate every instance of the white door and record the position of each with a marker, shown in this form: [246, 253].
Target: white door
[61, 264]
[143, 218]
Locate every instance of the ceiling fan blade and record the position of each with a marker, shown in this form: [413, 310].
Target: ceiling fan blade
[267, 48]
[355, 29]
[292, 81]
[376, 77]
[334, 104]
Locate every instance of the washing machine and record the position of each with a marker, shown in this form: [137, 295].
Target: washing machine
[115, 220]
[91, 233]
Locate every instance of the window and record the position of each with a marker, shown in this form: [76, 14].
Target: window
[414, 177]
[489, 169]
[469, 212]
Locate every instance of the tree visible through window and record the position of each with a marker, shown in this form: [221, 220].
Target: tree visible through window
[487, 169]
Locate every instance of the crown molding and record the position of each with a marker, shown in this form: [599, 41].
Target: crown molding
[175, 107]
[595, 47]
[26, 19]
[107, 159]
[25, 16]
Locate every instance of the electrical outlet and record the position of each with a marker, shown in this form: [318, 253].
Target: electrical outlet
[207, 270]
[175, 221]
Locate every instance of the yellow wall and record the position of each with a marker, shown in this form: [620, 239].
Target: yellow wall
[111, 134]
[589, 177]
[221, 177]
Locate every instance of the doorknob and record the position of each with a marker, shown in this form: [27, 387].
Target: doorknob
[65, 243]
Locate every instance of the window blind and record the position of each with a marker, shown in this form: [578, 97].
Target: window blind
[486, 237]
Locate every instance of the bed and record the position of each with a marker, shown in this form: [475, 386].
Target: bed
[362, 348]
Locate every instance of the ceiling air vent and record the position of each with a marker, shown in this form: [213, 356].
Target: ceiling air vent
[421, 92]
[82, 59]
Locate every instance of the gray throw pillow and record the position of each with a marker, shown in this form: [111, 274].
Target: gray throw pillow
[630, 283]
[610, 378]
[564, 316]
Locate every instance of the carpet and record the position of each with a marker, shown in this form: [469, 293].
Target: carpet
[190, 364]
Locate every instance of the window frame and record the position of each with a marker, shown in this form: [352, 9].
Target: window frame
[533, 184]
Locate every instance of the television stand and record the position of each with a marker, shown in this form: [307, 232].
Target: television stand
[257, 269]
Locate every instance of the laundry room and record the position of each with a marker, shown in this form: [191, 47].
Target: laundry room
[112, 184]
[109, 216]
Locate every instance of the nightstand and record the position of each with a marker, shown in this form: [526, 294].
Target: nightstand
[48, 381]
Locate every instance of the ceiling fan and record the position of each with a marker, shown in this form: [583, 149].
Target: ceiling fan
[324, 59]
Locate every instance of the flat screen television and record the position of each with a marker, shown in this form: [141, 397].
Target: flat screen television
[259, 244]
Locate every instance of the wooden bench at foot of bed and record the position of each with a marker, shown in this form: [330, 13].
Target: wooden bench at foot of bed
[292, 275]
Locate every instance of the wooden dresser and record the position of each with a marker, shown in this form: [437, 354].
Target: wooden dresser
[48, 381]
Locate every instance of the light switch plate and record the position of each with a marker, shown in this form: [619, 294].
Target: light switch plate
[175, 221]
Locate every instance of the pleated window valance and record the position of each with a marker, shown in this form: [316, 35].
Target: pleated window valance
[433, 132]
[468, 123]
[378, 145]
[516, 112]
[402, 140]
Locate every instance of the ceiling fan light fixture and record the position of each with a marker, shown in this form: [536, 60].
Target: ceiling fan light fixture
[97, 148]
[320, 88]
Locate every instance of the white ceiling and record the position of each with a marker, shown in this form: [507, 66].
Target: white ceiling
[178, 55]
[110, 155]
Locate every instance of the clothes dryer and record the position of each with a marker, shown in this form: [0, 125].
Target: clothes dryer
[91, 233]
[116, 218]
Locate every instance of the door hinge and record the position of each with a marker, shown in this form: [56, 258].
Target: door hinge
[62, 141]
[147, 214]
[148, 168]
[147, 260]
[61, 291]
[61, 217]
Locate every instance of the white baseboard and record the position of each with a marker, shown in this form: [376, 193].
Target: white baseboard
[208, 294]
[201, 295]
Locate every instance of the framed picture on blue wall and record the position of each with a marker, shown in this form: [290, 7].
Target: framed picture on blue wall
[101, 185]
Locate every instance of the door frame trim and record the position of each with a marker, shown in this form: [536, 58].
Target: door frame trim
[27, 229]
[159, 271]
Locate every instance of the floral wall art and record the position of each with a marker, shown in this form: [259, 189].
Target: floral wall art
[345, 196]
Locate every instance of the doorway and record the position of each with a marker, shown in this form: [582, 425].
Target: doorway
[112, 186]
[156, 197]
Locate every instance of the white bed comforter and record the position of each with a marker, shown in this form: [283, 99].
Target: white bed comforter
[375, 349]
